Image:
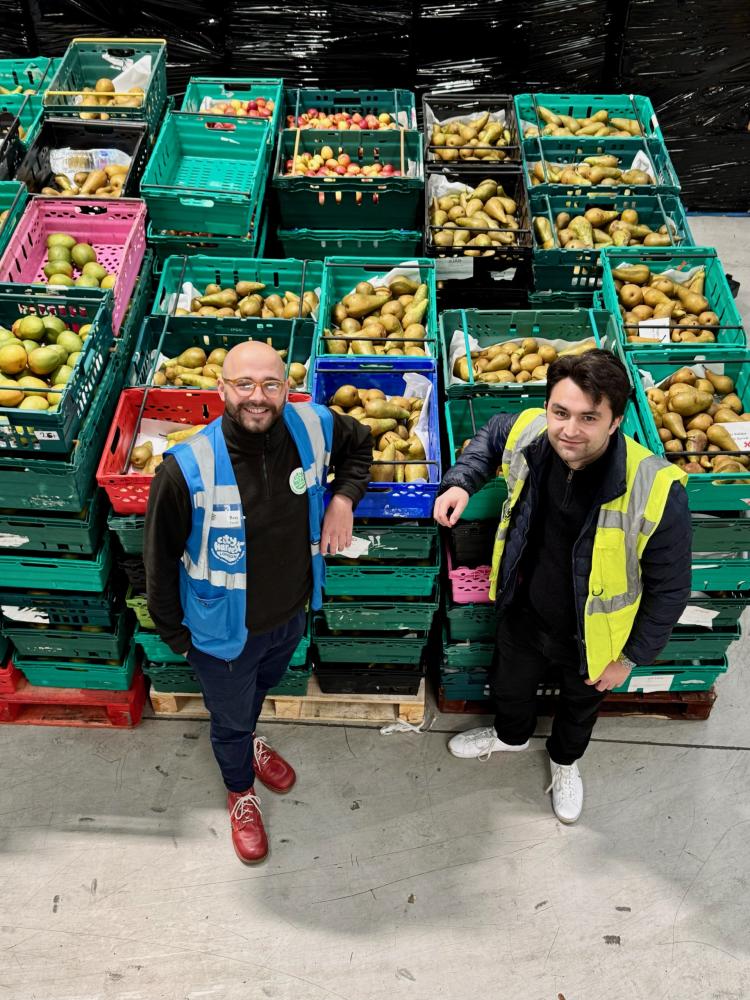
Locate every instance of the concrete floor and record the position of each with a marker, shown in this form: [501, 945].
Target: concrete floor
[395, 870]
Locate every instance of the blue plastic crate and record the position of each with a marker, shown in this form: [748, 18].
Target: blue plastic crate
[390, 499]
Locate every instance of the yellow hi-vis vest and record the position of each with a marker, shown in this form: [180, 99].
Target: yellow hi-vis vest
[624, 527]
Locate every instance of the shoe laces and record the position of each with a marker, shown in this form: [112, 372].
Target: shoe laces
[246, 809]
[261, 751]
[563, 780]
[487, 737]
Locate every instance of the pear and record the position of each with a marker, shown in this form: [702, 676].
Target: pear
[142, 454]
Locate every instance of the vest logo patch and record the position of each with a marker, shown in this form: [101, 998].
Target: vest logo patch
[228, 549]
[297, 482]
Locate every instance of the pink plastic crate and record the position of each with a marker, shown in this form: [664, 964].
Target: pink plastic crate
[115, 229]
[469, 586]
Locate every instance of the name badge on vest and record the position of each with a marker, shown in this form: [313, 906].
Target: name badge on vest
[226, 517]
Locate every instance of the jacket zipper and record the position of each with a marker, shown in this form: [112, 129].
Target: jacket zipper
[265, 477]
[566, 494]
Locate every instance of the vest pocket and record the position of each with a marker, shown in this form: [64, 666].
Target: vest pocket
[208, 619]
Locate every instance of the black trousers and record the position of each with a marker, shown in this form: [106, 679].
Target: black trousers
[524, 658]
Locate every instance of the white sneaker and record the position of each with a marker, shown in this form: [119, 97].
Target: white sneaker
[479, 743]
[567, 791]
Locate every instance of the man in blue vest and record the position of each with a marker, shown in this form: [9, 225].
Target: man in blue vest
[591, 567]
[234, 543]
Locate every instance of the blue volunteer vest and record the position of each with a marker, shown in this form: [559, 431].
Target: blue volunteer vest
[213, 571]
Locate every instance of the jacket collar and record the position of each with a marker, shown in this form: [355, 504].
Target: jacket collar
[614, 483]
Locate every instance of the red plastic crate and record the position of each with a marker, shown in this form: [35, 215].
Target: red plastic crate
[115, 229]
[128, 494]
[43, 706]
[10, 676]
[469, 586]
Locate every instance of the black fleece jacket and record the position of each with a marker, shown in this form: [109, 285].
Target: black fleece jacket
[665, 562]
[279, 578]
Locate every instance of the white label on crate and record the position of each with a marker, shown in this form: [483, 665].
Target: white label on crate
[358, 547]
[740, 431]
[25, 614]
[653, 682]
[454, 267]
[695, 615]
[46, 435]
[507, 275]
[655, 329]
[13, 541]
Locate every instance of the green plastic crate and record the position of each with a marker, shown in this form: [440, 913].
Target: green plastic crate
[371, 648]
[492, 327]
[13, 198]
[294, 682]
[65, 484]
[706, 491]
[55, 608]
[42, 430]
[399, 104]
[172, 677]
[84, 63]
[722, 573]
[154, 647]
[561, 300]
[466, 655]
[129, 530]
[381, 614]
[317, 244]
[299, 657]
[727, 606]
[28, 73]
[470, 622]
[687, 644]
[171, 244]
[27, 110]
[90, 642]
[552, 150]
[579, 271]
[72, 572]
[676, 677]
[198, 172]
[340, 277]
[463, 418]
[93, 676]
[54, 533]
[716, 533]
[730, 332]
[357, 579]
[138, 604]
[206, 89]
[389, 541]
[584, 105]
[351, 202]
[170, 335]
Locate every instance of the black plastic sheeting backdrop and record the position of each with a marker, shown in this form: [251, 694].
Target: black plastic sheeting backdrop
[690, 56]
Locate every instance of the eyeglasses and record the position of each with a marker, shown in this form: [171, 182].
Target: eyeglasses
[246, 386]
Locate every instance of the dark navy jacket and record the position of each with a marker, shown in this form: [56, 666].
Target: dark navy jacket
[666, 559]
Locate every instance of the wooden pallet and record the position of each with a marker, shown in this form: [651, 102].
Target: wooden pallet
[362, 709]
[693, 706]
[30, 705]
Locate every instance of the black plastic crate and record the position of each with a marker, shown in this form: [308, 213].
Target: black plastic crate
[471, 543]
[134, 570]
[35, 170]
[439, 106]
[344, 678]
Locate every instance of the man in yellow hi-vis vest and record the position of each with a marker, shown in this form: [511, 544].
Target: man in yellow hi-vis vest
[591, 565]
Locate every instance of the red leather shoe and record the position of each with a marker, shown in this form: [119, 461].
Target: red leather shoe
[271, 767]
[248, 833]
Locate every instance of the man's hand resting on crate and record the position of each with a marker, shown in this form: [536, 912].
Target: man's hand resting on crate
[450, 506]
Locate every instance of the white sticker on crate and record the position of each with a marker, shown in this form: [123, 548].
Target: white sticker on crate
[652, 682]
[16, 614]
[454, 267]
[13, 541]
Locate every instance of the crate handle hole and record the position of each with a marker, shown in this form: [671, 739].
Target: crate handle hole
[91, 209]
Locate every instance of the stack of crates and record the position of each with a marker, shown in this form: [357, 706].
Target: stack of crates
[251, 107]
[22, 81]
[382, 596]
[696, 652]
[348, 213]
[62, 600]
[567, 276]
[469, 275]
[469, 617]
[167, 334]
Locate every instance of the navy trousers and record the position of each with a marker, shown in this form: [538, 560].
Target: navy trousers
[234, 691]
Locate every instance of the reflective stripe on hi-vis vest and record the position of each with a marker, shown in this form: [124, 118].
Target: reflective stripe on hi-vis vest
[623, 528]
[213, 571]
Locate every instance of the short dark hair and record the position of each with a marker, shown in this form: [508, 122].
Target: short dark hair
[597, 373]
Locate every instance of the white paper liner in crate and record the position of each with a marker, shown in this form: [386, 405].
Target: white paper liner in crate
[190, 292]
[458, 350]
[156, 432]
[408, 269]
[419, 386]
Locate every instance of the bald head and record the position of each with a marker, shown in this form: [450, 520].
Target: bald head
[258, 365]
[254, 360]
